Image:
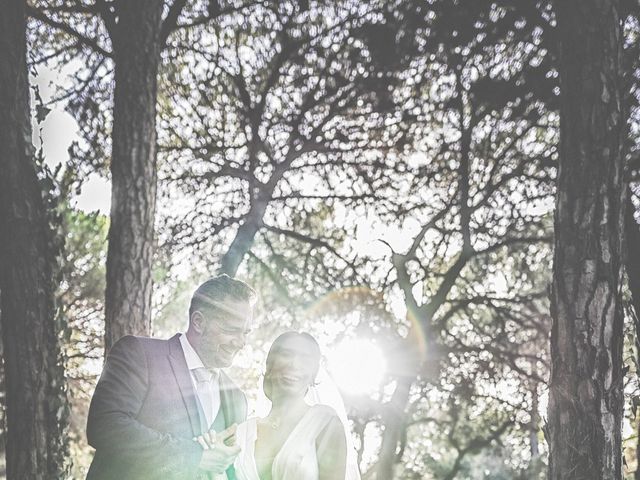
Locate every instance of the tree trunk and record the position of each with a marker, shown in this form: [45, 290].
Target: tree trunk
[586, 398]
[137, 43]
[632, 264]
[394, 421]
[245, 236]
[534, 448]
[34, 377]
[632, 267]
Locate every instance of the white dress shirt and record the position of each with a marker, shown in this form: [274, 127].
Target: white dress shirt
[208, 394]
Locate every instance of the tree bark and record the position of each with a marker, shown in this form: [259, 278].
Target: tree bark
[632, 263]
[586, 398]
[34, 377]
[632, 267]
[137, 44]
[534, 448]
[245, 236]
[393, 420]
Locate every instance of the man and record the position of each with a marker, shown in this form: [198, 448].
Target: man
[157, 399]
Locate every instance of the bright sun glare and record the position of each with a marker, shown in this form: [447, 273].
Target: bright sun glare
[358, 366]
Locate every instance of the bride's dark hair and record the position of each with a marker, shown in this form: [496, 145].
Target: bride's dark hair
[277, 344]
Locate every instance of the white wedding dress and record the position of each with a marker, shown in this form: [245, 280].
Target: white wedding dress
[297, 458]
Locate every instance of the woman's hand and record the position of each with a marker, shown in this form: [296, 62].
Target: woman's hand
[220, 450]
[210, 439]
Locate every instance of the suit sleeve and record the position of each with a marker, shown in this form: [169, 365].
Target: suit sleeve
[112, 426]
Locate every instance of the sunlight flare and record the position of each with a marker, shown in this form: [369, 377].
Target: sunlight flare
[357, 365]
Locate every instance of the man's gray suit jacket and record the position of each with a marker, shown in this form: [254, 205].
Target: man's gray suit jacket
[144, 413]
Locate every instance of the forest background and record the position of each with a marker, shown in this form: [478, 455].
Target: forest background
[382, 172]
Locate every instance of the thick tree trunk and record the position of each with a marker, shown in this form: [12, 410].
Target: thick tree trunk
[586, 398]
[34, 377]
[137, 43]
[632, 267]
[632, 264]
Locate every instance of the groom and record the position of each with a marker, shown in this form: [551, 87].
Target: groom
[156, 396]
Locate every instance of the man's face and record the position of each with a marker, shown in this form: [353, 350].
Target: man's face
[223, 333]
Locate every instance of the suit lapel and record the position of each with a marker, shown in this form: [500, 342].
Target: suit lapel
[181, 372]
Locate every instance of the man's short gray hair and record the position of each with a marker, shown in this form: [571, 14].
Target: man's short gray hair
[213, 295]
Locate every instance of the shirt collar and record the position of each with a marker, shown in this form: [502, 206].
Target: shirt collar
[190, 355]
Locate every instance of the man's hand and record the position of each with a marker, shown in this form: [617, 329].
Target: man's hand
[219, 458]
[219, 449]
[210, 439]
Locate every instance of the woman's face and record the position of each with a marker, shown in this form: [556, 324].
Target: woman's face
[292, 367]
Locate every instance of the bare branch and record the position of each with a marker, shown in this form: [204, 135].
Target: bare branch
[90, 43]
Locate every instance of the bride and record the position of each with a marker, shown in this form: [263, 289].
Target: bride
[296, 440]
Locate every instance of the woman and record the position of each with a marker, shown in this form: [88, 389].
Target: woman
[295, 441]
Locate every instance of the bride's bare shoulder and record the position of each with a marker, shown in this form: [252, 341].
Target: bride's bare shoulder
[324, 410]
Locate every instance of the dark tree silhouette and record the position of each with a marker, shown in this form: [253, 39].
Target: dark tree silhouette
[34, 376]
[136, 35]
[586, 397]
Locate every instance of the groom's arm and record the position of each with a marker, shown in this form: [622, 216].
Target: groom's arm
[112, 425]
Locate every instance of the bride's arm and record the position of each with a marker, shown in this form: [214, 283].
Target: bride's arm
[331, 448]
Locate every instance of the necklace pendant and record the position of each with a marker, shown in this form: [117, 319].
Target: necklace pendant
[274, 424]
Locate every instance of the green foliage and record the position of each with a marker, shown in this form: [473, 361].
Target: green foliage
[82, 294]
[58, 405]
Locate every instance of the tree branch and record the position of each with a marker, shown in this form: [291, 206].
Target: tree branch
[170, 22]
[86, 41]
